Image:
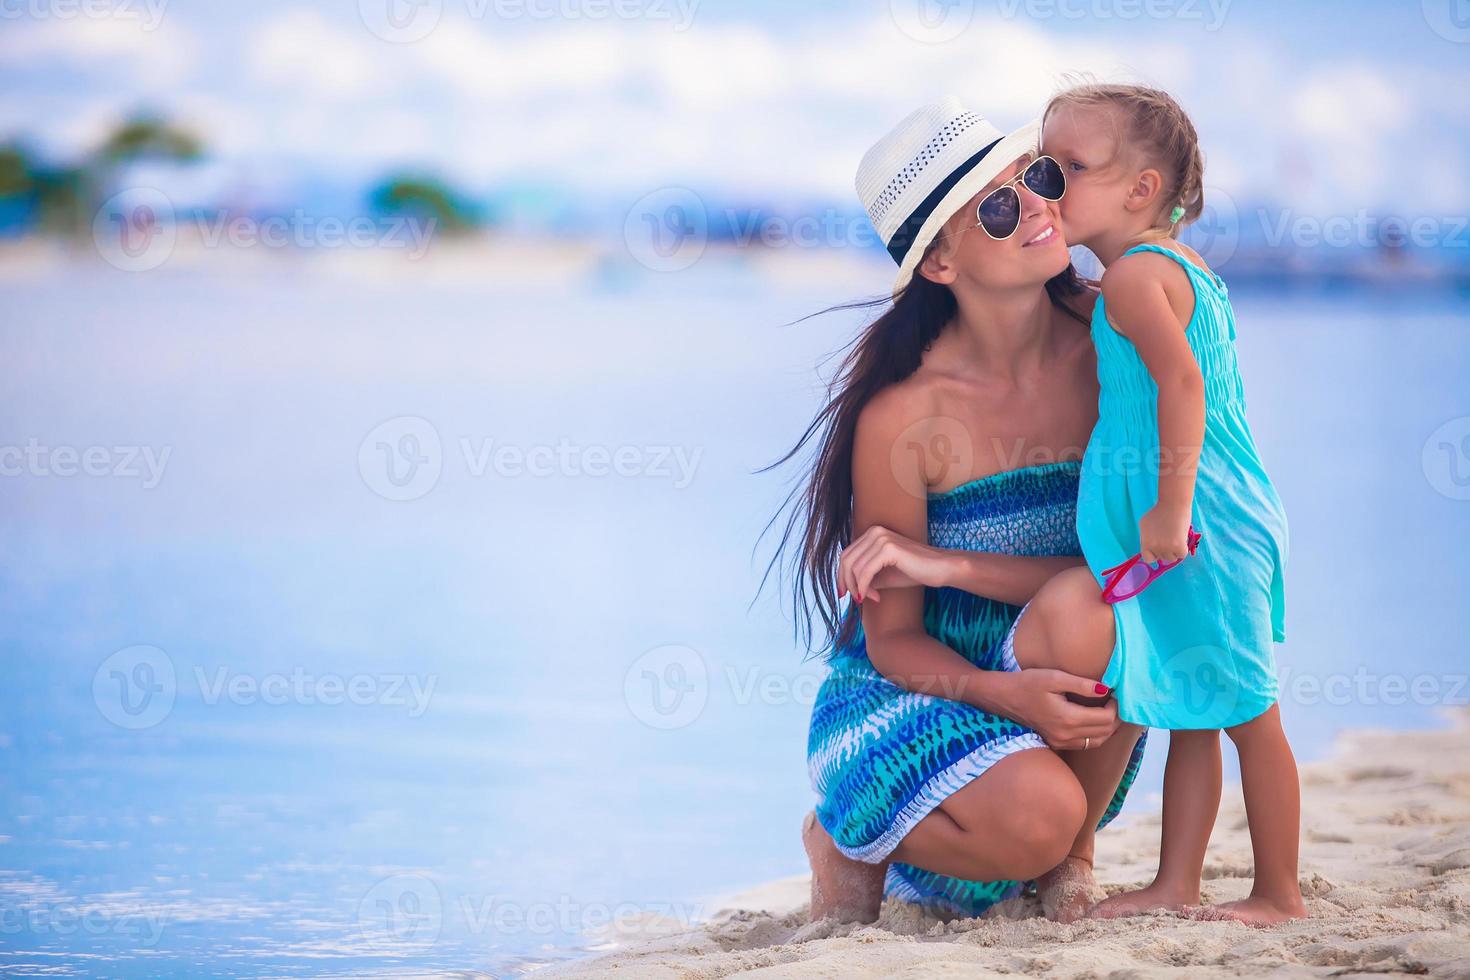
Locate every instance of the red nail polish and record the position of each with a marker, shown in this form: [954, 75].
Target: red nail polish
[860, 600]
[1102, 689]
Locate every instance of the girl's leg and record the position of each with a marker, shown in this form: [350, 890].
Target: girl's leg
[1191, 801]
[1268, 779]
[1068, 627]
[1010, 824]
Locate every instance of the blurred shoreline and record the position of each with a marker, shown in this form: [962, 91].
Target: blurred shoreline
[523, 260]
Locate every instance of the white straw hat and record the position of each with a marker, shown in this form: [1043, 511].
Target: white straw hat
[914, 179]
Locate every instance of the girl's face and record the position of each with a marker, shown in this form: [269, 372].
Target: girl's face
[1085, 141]
[1035, 253]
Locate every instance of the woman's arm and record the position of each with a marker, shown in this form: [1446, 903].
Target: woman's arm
[881, 558]
[898, 645]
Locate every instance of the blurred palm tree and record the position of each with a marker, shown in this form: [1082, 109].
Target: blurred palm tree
[147, 137]
[427, 198]
[34, 195]
[63, 200]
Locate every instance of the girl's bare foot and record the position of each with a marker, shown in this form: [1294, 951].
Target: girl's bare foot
[844, 889]
[1139, 901]
[1255, 911]
[1068, 890]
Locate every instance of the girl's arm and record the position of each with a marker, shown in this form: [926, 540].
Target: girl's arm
[1150, 301]
[898, 645]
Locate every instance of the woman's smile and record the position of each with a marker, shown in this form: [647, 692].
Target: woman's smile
[1044, 236]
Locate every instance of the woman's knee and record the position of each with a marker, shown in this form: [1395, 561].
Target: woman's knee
[1044, 824]
[1045, 814]
[1067, 626]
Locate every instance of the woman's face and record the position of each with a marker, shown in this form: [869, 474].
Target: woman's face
[1084, 142]
[965, 253]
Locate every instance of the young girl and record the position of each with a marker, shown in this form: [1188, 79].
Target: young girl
[1171, 452]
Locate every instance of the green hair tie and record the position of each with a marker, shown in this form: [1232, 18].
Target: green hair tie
[1176, 214]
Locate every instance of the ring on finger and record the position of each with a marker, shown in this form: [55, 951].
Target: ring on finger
[1087, 743]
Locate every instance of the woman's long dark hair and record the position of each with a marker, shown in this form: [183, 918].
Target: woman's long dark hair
[819, 509]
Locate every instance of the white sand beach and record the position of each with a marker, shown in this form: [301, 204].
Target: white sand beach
[1385, 871]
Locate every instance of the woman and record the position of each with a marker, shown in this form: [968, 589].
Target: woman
[944, 771]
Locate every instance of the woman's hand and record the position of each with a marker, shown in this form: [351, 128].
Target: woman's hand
[884, 559]
[1039, 700]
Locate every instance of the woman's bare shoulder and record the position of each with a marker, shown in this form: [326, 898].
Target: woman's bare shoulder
[900, 405]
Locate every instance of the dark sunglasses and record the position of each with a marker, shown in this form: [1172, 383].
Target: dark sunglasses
[999, 212]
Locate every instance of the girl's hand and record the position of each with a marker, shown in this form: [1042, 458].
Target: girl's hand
[1163, 534]
[1040, 701]
[884, 559]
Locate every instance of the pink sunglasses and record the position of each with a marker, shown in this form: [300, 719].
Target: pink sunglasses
[1133, 576]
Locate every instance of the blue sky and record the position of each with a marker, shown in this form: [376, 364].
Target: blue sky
[1331, 106]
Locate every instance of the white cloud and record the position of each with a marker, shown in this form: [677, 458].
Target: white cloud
[303, 50]
[1346, 118]
[116, 47]
[1348, 102]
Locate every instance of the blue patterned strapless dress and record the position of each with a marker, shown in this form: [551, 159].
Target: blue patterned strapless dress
[881, 758]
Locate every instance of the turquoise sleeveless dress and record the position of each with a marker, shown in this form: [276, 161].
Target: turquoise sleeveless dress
[880, 757]
[1194, 649]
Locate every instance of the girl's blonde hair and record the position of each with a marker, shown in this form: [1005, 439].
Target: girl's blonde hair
[1157, 128]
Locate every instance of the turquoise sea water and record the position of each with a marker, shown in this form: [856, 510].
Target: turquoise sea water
[358, 628]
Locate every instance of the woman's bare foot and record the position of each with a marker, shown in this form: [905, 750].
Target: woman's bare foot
[844, 889]
[1068, 890]
[1139, 901]
[1255, 911]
